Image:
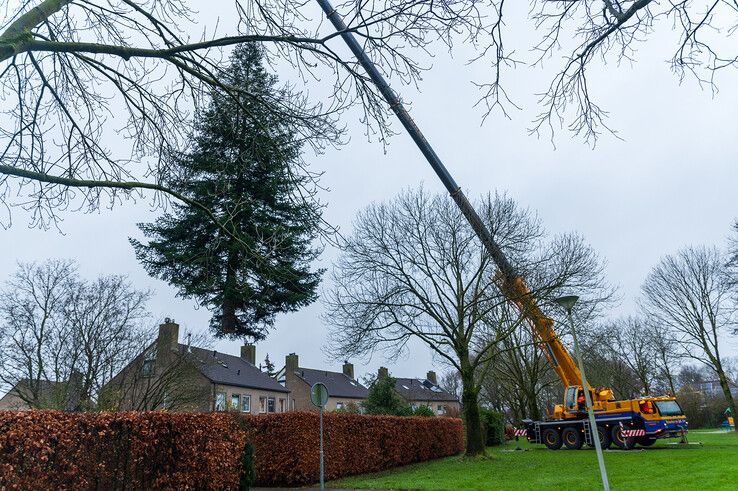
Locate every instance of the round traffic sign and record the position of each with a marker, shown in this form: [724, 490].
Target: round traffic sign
[319, 394]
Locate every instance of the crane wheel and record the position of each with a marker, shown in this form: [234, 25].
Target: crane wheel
[552, 438]
[619, 440]
[605, 438]
[572, 438]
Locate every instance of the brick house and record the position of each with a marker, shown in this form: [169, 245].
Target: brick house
[50, 394]
[343, 389]
[424, 392]
[175, 376]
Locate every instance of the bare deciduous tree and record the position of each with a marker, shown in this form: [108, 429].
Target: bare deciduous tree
[635, 344]
[667, 356]
[160, 377]
[691, 294]
[59, 328]
[519, 376]
[413, 269]
[451, 383]
[75, 73]
[33, 335]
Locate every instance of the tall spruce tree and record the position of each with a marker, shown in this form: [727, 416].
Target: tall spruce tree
[244, 165]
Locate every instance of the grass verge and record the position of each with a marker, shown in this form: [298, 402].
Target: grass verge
[713, 465]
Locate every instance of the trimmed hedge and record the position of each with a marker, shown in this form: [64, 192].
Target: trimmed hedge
[58, 450]
[287, 444]
[157, 450]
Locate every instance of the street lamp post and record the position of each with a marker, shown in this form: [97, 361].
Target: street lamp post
[567, 303]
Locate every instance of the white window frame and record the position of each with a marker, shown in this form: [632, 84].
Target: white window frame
[221, 406]
[273, 400]
[340, 405]
[262, 404]
[237, 398]
[245, 399]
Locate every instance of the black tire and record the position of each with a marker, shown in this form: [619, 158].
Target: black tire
[619, 441]
[646, 441]
[552, 438]
[572, 438]
[605, 438]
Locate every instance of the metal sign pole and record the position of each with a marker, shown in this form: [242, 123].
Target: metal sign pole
[322, 482]
[319, 397]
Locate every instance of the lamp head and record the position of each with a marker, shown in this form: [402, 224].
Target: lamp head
[567, 302]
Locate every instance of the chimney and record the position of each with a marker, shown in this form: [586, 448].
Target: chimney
[248, 353]
[291, 362]
[431, 376]
[348, 369]
[382, 373]
[168, 335]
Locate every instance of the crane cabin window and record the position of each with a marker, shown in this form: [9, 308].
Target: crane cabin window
[571, 397]
[669, 408]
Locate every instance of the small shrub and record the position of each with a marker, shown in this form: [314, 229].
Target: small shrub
[248, 474]
[382, 399]
[494, 426]
[423, 411]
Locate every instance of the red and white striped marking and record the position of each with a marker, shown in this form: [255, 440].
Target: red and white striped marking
[629, 433]
[520, 432]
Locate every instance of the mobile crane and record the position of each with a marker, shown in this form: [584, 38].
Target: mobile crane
[622, 422]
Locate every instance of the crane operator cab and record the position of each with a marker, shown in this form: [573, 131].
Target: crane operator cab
[575, 401]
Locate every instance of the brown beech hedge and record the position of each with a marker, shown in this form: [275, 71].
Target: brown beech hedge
[158, 450]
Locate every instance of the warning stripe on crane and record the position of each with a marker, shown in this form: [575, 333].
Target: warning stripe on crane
[519, 432]
[629, 433]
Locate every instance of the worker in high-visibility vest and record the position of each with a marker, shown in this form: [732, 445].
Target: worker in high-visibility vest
[580, 401]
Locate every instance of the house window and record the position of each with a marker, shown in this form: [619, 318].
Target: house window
[220, 401]
[281, 405]
[271, 405]
[147, 369]
[414, 406]
[235, 402]
[246, 403]
[441, 409]
[262, 404]
[339, 406]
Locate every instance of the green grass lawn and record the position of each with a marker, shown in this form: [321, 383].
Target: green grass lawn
[713, 465]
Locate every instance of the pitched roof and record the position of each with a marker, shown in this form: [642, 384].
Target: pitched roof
[337, 383]
[46, 388]
[230, 370]
[414, 389]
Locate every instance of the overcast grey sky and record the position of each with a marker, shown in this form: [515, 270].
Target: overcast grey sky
[670, 182]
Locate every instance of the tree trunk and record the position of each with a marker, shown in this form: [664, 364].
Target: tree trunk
[470, 402]
[533, 410]
[229, 320]
[670, 378]
[728, 396]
